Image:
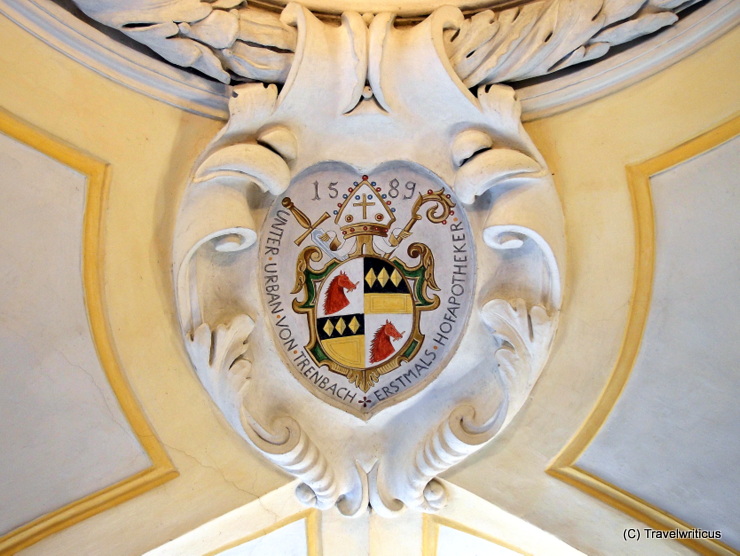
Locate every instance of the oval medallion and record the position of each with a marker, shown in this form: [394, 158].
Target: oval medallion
[368, 281]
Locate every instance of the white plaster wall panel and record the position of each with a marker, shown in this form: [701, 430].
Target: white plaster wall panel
[289, 540]
[62, 434]
[452, 542]
[238, 529]
[672, 437]
[588, 149]
[501, 532]
[467, 519]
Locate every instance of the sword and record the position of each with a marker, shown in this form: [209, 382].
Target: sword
[302, 219]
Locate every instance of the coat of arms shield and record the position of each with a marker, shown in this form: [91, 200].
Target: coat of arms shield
[370, 313]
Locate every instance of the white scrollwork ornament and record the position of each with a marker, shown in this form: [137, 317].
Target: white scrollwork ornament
[368, 263]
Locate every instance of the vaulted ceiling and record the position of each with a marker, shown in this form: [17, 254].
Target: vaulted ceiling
[111, 444]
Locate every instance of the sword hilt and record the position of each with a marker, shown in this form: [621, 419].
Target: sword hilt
[302, 219]
[300, 216]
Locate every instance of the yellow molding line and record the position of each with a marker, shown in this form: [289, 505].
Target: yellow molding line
[313, 532]
[430, 534]
[634, 506]
[564, 465]
[162, 470]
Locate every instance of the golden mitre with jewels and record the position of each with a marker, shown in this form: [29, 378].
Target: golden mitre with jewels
[365, 210]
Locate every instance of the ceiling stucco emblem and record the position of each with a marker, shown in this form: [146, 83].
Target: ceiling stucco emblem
[369, 281]
[375, 251]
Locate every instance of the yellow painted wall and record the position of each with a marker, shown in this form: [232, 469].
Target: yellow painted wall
[150, 147]
[587, 149]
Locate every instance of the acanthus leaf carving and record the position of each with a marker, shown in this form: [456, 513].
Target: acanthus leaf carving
[215, 208]
[507, 159]
[523, 335]
[220, 360]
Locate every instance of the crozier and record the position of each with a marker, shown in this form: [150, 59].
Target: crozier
[330, 289]
[372, 251]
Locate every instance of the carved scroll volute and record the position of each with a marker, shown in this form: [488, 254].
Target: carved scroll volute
[500, 167]
[498, 164]
[214, 209]
[220, 360]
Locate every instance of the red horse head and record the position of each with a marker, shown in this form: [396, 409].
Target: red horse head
[335, 299]
[381, 346]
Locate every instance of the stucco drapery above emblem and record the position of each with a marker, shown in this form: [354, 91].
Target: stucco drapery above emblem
[231, 42]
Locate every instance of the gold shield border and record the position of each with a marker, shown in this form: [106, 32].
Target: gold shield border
[366, 378]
